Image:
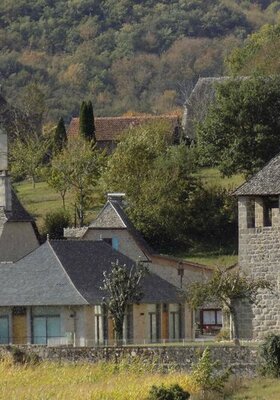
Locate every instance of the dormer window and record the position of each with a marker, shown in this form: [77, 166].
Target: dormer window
[269, 204]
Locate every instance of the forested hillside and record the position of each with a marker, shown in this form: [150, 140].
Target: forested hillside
[125, 55]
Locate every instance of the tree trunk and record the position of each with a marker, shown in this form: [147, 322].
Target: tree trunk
[118, 332]
[33, 182]
[234, 331]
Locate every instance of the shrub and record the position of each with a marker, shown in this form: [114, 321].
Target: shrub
[270, 351]
[173, 392]
[224, 334]
[55, 222]
[206, 376]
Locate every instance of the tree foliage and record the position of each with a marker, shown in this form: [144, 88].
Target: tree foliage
[227, 287]
[60, 136]
[162, 188]
[77, 49]
[78, 167]
[55, 222]
[123, 287]
[259, 54]
[27, 157]
[241, 132]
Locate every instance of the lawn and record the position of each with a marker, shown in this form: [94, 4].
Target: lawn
[43, 199]
[259, 389]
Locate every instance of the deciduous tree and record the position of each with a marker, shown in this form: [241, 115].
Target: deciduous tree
[227, 287]
[241, 132]
[123, 287]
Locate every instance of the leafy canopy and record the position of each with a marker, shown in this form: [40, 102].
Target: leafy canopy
[241, 131]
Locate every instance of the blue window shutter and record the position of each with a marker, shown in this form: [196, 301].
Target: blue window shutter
[115, 243]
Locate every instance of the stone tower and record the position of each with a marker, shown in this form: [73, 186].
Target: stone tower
[259, 247]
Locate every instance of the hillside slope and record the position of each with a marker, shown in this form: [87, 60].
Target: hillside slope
[126, 55]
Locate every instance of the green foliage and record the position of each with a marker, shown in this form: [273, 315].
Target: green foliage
[55, 222]
[60, 136]
[241, 131]
[206, 375]
[125, 54]
[27, 157]
[86, 122]
[173, 392]
[122, 287]
[259, 54]
[223, 335]
[270, 352]
[162, 188]
[77, 167]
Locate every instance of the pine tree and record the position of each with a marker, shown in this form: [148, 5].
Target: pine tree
[87, 128]
[83, 119]
[60, 136]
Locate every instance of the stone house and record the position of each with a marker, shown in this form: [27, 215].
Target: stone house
[52, 296]
[18, 232]
[259, 247]
[113, 226]
[108, 130]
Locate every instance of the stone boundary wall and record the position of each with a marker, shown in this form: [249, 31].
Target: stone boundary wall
[243, 360]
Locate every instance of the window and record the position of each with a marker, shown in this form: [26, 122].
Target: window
[153, 326]
[251, 221]
[174, 325]
[211, 317]
[268, 204]
[115, 243]
[45, 329]
[4, 330]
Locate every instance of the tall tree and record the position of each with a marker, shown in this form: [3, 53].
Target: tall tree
[123, 287]
[87, 127]
[27, 157]
[79, 166]
[60, 136]
[226, 287]
[241, 132]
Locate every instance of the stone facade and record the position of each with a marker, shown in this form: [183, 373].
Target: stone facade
[259, 256]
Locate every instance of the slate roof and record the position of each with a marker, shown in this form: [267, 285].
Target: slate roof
[265, 182]
[18, 213]
[113, 216]
[70, 273]
[111, 128]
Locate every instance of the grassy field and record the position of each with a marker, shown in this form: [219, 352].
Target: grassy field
[84, 382]
[43, 199]
[106, 381]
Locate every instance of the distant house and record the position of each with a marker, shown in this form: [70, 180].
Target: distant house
[259, 248]
[52, 296]
[108, 130]
[113, 226]
[18, 231]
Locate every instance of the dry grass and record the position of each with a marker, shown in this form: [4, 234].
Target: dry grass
[85, 381]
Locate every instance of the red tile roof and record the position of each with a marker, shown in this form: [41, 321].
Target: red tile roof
[110, 128]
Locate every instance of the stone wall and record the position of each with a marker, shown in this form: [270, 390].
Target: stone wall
[242, 360]
[259, 256]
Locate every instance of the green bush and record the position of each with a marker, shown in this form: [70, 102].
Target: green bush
[173, 392]
[270, 351]
[206, 374]
[55, 222]
[224, 334]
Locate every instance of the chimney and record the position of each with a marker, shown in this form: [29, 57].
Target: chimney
[5, 184]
